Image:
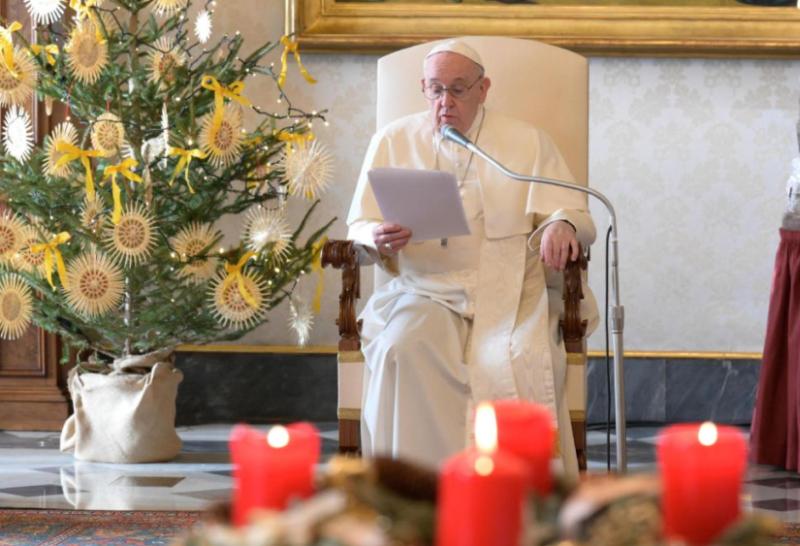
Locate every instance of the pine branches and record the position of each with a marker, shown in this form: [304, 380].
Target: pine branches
[171, 101]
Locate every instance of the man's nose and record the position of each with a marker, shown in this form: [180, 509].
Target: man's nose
[447, 99]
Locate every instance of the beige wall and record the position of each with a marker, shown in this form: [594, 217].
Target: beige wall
[694, 154]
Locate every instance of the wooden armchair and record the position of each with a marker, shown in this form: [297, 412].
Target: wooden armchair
[543, 84]
[343, 255]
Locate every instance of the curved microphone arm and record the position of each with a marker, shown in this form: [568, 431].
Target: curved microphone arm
[617, 310]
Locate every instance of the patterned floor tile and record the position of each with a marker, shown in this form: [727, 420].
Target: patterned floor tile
[33, 471]
[53, 470]
[34, 490]
[10, 440]
[221, 472]
[210, 495]
[204, 446]
[777, 505]
[783, 482]
[147, 481]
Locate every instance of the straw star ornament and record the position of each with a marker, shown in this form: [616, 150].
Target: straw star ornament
[16, 307]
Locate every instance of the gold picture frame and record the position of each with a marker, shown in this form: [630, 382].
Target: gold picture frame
[705, 28]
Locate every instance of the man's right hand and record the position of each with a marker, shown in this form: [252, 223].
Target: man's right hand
[390, 238]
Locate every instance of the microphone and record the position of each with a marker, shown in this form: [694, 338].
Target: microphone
[452, 134]
[449, 132]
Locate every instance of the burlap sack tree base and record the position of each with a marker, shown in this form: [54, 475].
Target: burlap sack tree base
[126, 415]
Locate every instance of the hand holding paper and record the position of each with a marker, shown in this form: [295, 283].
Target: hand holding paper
[390, 238]
[426, 202]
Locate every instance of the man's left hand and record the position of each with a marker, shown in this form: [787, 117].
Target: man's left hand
[558, 245]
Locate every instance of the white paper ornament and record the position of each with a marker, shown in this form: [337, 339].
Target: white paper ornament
[18, 133]
[45, 12]
[203, 26]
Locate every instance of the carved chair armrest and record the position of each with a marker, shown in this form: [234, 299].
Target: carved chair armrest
[573, 328]
[343, 255]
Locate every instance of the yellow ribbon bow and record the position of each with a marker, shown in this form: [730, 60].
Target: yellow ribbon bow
[234, 272]
[83, 11]
[81, 7]
[50, 51]
[298, 139]
[71, 153]
[111, 171]
[316, 266]
[7, 46]
[51, 251]
[233, 92]
[290, 46]
[185, 160]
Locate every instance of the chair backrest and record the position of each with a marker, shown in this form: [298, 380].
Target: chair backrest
[539, 83]
[545, 85]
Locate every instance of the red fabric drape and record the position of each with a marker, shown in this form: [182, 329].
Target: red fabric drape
[775, 431]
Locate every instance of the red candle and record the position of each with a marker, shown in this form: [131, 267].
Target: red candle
[481, 492]
[526, 430]
[701, 473]
[270, 470]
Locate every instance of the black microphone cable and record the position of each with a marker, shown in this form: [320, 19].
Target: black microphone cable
[608, 365]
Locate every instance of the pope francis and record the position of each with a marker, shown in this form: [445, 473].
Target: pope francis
[469, 318]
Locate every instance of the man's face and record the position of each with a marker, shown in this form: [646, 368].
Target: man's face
[450, 69]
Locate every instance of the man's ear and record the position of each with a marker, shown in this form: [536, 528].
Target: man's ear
[486, 83]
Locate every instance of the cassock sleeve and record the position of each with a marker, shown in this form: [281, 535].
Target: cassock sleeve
[364, 212]
[550, 204]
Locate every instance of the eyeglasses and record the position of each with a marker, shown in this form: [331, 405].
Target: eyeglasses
[435, 90]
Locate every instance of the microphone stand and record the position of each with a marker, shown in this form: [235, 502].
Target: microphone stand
[617, 310]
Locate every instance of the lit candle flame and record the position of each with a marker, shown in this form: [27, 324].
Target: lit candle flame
[485, 428]
[484, 465]
[707, 435]
[278, 437]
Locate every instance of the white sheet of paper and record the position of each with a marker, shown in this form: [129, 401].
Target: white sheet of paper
[427, 202]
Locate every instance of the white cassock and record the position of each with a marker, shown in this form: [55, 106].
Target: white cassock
[473, 320]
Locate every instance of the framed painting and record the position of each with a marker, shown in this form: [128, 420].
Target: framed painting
[678, 28]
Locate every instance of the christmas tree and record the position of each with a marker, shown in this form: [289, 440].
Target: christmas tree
[109, 237]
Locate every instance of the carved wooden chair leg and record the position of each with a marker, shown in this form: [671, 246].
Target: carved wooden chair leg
[573, 330]
[342, 255]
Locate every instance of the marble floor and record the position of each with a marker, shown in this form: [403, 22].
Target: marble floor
[35, 474]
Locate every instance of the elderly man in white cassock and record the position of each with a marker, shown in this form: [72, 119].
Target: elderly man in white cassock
[466, 319]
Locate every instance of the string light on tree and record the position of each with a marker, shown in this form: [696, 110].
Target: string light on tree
[163, 243]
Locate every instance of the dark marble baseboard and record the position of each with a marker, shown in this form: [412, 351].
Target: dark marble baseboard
[274, 387]
[255, 388]
[672, 390]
